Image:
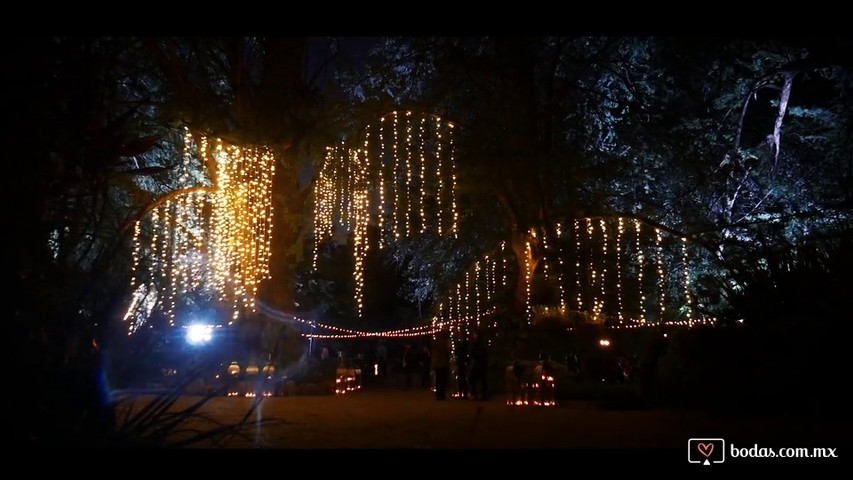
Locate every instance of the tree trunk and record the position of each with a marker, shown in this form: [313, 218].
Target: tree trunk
[527, 260]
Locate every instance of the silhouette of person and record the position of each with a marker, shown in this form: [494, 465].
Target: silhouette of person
[410, 364]
[441, 363]
[479, 366]
[425, 363]
[462, 363]
[382, 357]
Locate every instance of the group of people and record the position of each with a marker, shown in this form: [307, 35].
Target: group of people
[471, 362]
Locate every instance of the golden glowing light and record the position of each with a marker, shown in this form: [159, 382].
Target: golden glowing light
[225, 252]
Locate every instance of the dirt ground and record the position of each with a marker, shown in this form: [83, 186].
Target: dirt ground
[390, 418]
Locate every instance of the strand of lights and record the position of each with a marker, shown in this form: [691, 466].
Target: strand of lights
[503, 259]
[590, 231]
[172, 280]
[527, 282]
[467, 294]
[640, 261]
[458, 300]
[360, 241]
[490, 277]
[366, 174]
[560, 276]
[544, 249]
[430, 329]
[422, 197]
[381, 168]
[494, 282]
[578, 265]
[396, 180]
[408, 175]
[438, 173]
[661, 287]
[477, 293]
[687, 298]
[603, 280]
[137, 228]
[155, 257]
[324, 192]
[619, 230]
[453, 210]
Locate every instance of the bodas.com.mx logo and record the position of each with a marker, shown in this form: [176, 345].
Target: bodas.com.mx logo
[706, 450]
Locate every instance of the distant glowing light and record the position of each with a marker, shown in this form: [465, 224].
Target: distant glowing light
[199, 334]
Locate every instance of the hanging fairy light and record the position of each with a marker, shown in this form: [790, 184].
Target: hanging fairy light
[661, 287]
[396, 183]
[687, 298]
[232, 256]
[453, 210]
[640, 261]
[467, 293]
[596, 307]
[488, 281]
[381, 168]
[560, 276]
[528, 309]
[504, 267]
[409, 201]
[578, 264]
[439, 174]
[459, 300]
[477, 293]
[619, 231]
[603, 280]
[360, 241]
[422, 197]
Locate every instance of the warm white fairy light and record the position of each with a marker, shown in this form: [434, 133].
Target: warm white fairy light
[137, 247]
[560, 275]
[451, 296]
[603, 225]
[381, 167]
[227, 253]
[494, 281]
[661, 287]
[458, 300]
[619, 231]
[438, 173]
[324, 198]
[467, 293]
[489, 277]
[453, 210]
[578, 265]
[409, 199]
[503, 260]
[527, 281]
[596, 307]
[640, 261]
[396, 211]
[688, 302]
[361, 210]
[477, 293]
[423, 176]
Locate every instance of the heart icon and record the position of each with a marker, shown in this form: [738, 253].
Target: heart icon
[706, 449]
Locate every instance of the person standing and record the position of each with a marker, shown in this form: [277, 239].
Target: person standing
[425, 362]
[441, 363]
[410, 364]
[462, 368]
[479, 366]
[381, 358]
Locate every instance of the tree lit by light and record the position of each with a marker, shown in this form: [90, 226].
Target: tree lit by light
[350, 178]
[225, 252]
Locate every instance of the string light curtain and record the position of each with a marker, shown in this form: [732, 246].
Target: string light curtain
[401, 181]
[213, 238]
